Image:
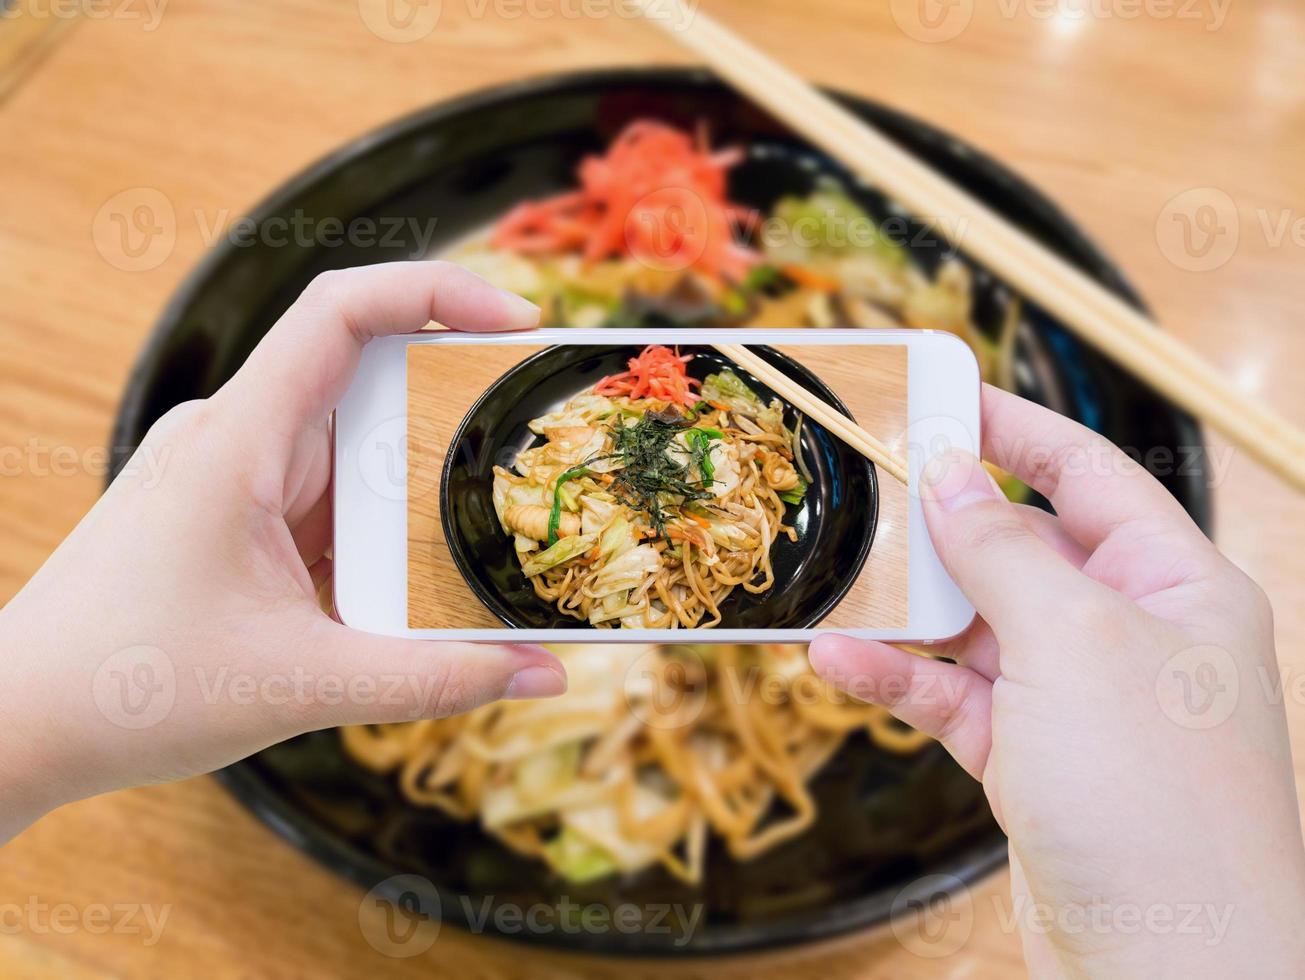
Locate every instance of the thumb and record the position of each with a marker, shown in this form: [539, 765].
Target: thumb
[1013, 578]
[387, 679]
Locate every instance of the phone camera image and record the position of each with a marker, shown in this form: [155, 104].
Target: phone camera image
[657, 486]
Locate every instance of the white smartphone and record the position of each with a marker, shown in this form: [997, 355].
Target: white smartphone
[648, 485]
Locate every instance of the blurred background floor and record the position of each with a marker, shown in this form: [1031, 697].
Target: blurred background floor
[1116, 113]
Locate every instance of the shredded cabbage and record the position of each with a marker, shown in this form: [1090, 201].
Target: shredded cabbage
[542, 774]
[580, 410]
[627, 570]
[565, 549]
[728, 388]
[576, 859]
[617, 539]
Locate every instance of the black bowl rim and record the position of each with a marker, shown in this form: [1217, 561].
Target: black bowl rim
[462, 560]
[247, 785]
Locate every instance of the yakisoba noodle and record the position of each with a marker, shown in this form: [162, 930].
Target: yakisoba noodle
[650, 501]
[648, 753]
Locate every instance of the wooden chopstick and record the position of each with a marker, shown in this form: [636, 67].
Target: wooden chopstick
[818, 409]
[1092, 312]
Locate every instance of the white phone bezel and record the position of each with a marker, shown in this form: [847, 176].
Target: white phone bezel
[370, 481]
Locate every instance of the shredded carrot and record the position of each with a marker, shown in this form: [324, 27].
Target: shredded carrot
[658, 372]
[700, 521]
[656, 194]
[803, 276]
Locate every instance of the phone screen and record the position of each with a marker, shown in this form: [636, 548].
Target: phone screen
[616, 486]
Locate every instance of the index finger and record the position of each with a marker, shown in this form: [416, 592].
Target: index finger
[300, 370]
[1094, 486]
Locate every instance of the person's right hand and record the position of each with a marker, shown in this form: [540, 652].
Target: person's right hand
[1114, 698]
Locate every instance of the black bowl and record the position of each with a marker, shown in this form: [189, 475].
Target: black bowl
[835, 521]
[884, 820]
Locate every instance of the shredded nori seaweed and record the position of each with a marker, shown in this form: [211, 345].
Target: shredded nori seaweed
[649, 472]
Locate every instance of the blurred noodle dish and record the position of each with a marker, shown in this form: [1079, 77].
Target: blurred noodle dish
[651, 751]
[650, 238]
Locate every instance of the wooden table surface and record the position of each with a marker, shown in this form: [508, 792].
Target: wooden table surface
[1144, 121]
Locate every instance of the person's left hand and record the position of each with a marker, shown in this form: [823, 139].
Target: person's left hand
[177, 629]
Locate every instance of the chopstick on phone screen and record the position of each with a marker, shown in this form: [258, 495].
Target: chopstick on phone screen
[817, 409]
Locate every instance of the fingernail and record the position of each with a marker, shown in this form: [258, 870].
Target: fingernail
[535, 682]
[520, 311]
[954, 480]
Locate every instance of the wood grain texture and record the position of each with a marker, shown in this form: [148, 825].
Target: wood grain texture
[444, 382]
[228, 98]
[28, 32]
